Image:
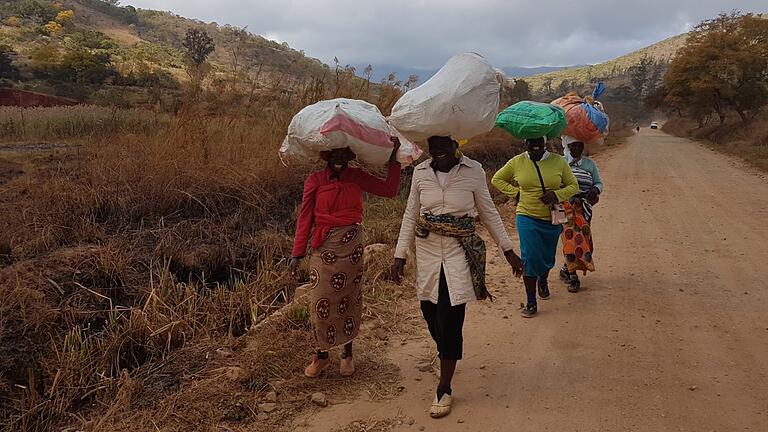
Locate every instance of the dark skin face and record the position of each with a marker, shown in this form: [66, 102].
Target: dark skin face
[576, 149]
[338, 159]
[443, 152]
[536, 149]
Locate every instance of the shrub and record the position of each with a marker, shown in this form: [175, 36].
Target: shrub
[89, 39]
[53, 28]
[65, 17]
[35, 11]
[7, 68]
[13, 21]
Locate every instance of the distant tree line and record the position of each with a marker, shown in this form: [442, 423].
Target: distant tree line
[722, 68]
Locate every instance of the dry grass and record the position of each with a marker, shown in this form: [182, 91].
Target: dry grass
[124, 260]
[63, 124]
[133, 267]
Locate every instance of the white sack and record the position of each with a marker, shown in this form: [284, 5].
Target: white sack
[339, 123]
[461, 101]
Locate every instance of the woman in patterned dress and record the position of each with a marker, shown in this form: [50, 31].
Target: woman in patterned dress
[331, 214]
[578, 247]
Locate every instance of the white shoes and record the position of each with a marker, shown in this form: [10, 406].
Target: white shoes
[442, 407]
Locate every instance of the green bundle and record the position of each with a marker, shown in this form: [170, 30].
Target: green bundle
[527, 120]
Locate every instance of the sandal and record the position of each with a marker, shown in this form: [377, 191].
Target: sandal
[317, 366]
[347, 366]
[442, 407]
[565, 275]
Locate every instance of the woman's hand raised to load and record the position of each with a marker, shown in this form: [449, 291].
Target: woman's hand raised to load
[397, 271]
[550, 198]
[515, 262]
[393, 157]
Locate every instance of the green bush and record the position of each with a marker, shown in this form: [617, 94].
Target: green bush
[149, 78]
[36, 11]
[86, 67]
[89, 39]
[78, 65]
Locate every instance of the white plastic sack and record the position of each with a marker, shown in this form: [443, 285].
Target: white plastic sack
[339, 123]
[461, 101]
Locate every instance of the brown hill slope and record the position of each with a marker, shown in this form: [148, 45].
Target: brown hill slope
[661, 51]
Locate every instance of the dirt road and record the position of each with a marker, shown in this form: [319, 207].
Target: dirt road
[671, 333]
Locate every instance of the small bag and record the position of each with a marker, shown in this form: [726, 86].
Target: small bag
[558, 214]
[557, 210]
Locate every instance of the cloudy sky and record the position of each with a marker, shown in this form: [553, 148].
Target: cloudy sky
[424, 33]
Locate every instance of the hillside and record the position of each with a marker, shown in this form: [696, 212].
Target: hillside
[381, 71]
[135, 48]
[661, 51]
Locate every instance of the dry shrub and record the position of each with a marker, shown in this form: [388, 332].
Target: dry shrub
[748, 141]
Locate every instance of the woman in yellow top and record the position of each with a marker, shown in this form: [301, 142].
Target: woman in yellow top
[540, 179]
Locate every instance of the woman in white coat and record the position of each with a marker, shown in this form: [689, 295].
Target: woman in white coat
[447, 192]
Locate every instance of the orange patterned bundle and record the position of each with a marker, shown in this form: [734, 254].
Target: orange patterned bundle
[585, 121]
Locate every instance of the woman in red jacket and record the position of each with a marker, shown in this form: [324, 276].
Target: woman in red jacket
[332, 211]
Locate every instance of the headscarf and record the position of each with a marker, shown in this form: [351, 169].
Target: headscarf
[566, 139]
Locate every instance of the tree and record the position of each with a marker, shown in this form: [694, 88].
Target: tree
[45, 59]
[548, 87]
[36, 11]
[564, 87]
[86, 67]
[723, 66]
[198, 45]
[7, 68]
[520, 91]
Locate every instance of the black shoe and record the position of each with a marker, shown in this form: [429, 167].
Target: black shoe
[529, 311]
[565, 276]
[543, 289]
[574, 284]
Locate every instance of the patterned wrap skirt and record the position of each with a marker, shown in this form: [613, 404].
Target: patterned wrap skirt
[336, 280]
[577, 236]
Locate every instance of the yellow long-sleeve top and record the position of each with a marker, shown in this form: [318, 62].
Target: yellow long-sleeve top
[519, 175]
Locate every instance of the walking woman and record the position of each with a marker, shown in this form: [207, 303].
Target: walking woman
[332, 213]
[542, 180]
[577, 232]
[447, 192]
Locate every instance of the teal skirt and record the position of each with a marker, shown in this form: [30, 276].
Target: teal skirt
[538, 244]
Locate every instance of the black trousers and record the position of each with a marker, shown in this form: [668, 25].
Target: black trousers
[445, 323]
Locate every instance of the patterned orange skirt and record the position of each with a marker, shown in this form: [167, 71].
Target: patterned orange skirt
[336, 280]
[577, 236]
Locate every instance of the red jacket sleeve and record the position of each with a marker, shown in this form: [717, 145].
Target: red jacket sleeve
[388, 187]
[305, 219]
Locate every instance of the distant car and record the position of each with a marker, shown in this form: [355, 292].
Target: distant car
[654, 125]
